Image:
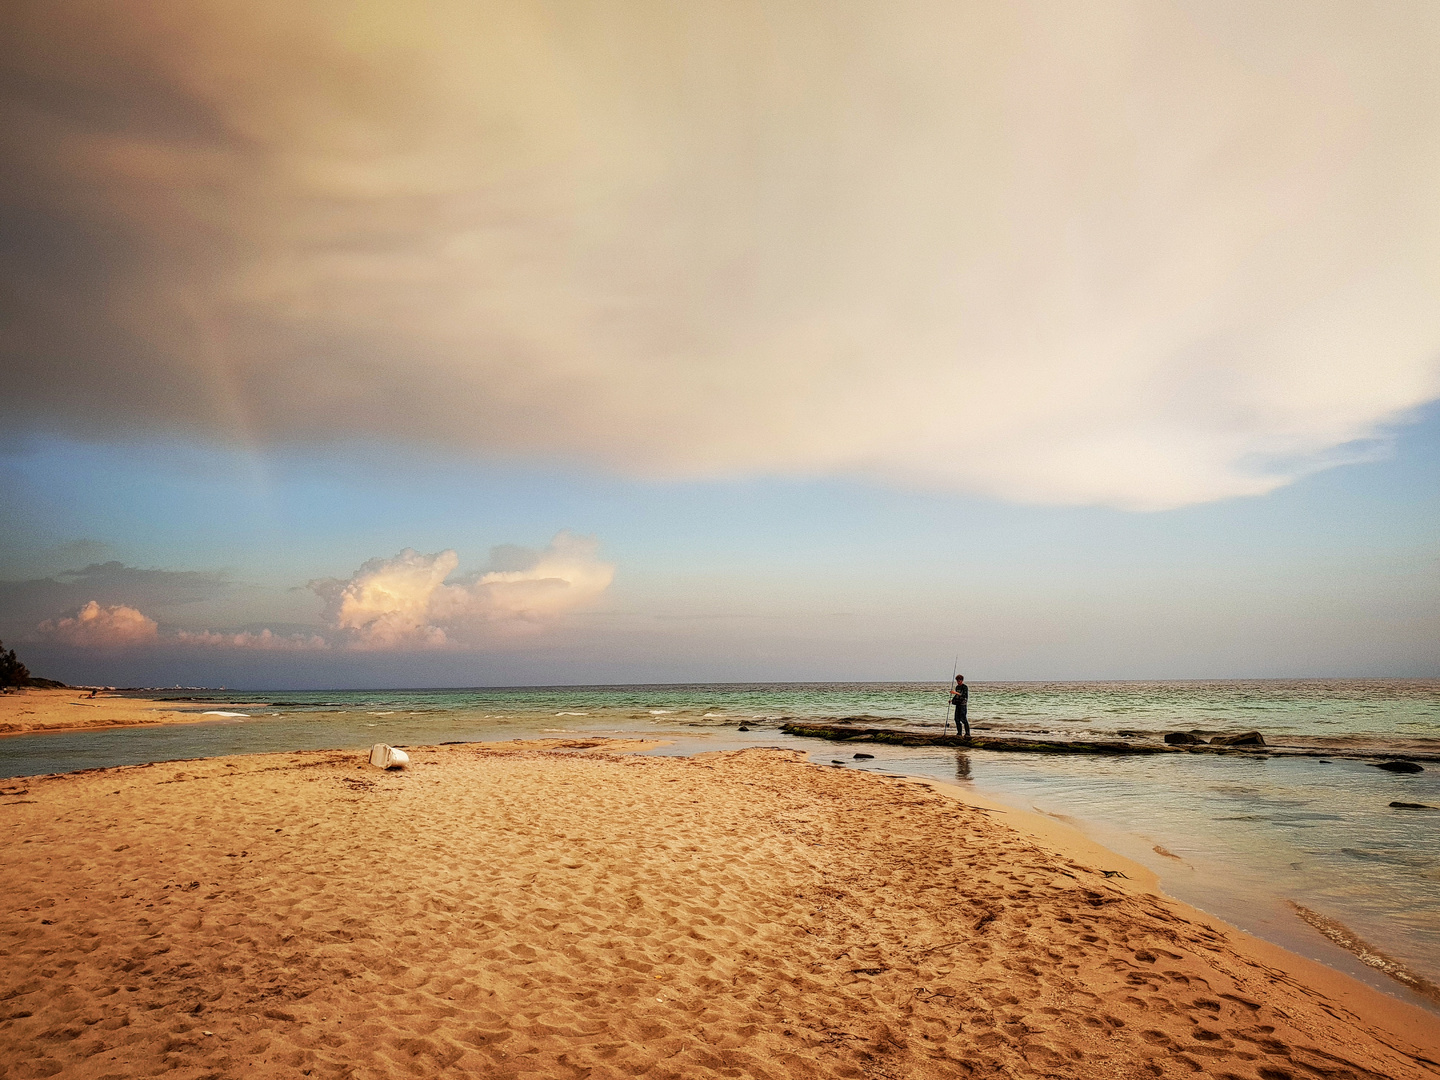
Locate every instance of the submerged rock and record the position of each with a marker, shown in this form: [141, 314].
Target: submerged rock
[1183, 738]
[1245, 738]
[744, 728]
[1398, 766]
[1413, 806]
[864, 755]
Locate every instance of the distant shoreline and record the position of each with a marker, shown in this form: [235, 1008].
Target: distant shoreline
[1239, 680]
[35, 711]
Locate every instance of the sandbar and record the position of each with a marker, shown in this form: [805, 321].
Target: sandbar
[569, 908]
[36, 710]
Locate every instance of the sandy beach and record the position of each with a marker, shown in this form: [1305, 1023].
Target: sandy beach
[568, 909]
[70, 709]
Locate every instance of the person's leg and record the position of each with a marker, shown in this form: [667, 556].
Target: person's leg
[962, 717]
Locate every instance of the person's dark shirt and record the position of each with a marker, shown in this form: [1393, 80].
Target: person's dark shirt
[960, 695]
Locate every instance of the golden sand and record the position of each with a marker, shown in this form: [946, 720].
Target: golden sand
[62, 710]
[563, 909]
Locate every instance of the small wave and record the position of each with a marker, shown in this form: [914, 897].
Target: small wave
[219, 713]
[658, 712]
[1351, 942]
[390, 713]
[572, 714]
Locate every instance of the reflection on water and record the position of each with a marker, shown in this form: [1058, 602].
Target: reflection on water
[1323, 835]
[962, 765]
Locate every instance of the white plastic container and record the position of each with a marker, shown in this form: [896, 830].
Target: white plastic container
[387, 757]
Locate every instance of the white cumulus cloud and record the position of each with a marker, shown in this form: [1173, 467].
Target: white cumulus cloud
[101, 627]
[265, 640]
[408, 601]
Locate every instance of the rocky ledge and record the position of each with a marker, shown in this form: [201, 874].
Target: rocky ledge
[890, 736]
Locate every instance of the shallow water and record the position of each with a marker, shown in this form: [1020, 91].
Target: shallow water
[1239, 835]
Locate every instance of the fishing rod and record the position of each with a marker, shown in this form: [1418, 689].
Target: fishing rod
[945, 723]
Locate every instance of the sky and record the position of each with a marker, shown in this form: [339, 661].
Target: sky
[427, 344]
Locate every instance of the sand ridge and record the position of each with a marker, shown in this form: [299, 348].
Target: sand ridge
[35, 709]
[560, 909]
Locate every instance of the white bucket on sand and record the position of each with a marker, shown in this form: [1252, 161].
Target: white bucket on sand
[387, 757]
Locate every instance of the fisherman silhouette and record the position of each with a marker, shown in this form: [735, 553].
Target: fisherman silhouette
[960, 698]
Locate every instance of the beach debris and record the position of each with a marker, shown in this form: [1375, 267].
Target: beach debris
[1183, 738]
[864, 756]
[387, 757]
[1245, 738]
[1398, 766]
[1413, 806]
[1114, 873]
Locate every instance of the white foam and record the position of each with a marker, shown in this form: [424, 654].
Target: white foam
[219, 713]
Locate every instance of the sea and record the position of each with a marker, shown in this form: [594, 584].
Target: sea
[1244, 837]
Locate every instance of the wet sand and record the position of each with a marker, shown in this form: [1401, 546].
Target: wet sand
[564, 909]
[64, 710]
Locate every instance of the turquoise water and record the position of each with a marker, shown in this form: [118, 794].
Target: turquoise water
[1240, 836]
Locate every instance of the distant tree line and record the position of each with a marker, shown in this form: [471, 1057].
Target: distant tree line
[15, 674]
[12, 671]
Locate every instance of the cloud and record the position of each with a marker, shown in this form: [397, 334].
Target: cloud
[406, 602]
[403, 603]
[97, 627]
[24, 603]
[1141, 254]
[265, 639]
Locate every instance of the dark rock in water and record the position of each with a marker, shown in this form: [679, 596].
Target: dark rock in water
[1183, 738]
[836, 761]
[1245, 738]
[864, 755]
[744, 728]
[848, 733]
[1413, 806]
[1398, 766]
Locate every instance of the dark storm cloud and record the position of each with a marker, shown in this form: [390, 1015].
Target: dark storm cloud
[25, 604]
[1164, 252]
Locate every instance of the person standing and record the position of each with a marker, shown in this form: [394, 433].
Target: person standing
[960, 698]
